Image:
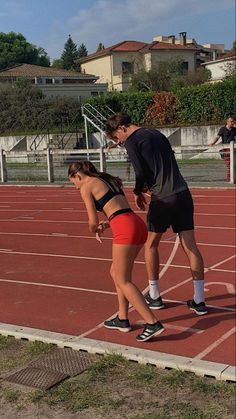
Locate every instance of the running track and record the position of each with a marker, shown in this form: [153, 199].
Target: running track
[54, 275]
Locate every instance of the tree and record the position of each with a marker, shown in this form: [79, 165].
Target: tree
[100, 46]
[234, 46]
[82, 51]
[158, 78]
[69, 54]
[14, 49]
[43, 58]
[58, 63]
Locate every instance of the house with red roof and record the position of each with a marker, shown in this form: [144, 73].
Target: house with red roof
[116, 64]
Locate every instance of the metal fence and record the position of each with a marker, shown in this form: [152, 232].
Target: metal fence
[209, 168]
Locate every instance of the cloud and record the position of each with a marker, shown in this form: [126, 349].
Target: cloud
[12, 9]
[112, 21]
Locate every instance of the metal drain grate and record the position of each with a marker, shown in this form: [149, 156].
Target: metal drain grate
[52, 368]
[65, 361]
[36, 377]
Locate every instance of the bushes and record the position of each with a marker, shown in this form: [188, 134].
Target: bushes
[135, 104]
[162, 109]
[206, 103]
[23, 109]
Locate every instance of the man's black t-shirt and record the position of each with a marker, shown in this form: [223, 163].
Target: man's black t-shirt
[154, 163]
[227, 135]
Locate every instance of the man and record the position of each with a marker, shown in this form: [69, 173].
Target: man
[227, 134]
[171, 203]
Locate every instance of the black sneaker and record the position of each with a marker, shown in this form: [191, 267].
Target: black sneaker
[200, 308]
[149, 331]
[116, 323]
[154, 304]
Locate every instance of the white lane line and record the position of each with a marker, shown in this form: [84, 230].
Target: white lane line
[56, 255]
[38, 284]
[6, 250]
[43, 210]
[56, 234]
[174, 250]
[190, 278]
[221, 308]
[85, 222]
[178, 328]
[165, 241]
[215, 344]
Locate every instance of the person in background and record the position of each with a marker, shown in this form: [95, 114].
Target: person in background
[103, 192]
[171, 202]
[227, 133]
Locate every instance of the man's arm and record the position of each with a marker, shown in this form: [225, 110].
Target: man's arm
[138, 164]
[217, 137]
[215, 140]
[140, 182]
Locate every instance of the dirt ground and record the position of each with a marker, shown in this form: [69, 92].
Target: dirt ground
[112, 387]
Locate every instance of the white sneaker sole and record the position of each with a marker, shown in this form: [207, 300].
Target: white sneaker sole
[121, 329]
[197, 312]
[158, 332]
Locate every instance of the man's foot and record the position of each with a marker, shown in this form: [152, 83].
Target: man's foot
[116, 323]
[200, 308]
[149, 331]
[154, 304]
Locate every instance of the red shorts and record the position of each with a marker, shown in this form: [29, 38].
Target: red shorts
[128, 228]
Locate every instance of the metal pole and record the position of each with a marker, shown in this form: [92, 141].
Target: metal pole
[232, 162]
[102, 160]
[86, 135]
[3, 166]
[50, 165]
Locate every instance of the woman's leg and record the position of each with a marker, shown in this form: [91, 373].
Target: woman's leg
[123, 261]
[122, 301]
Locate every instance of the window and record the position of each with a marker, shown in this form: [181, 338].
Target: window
[48, 81]
[127, 68]
[184, 67]
[94, 93]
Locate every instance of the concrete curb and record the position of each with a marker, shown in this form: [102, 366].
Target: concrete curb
[223, 372]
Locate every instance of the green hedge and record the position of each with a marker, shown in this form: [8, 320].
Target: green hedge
[206, 103]
[135, 104]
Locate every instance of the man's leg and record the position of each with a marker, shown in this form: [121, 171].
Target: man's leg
[152, 265]
[188, 242]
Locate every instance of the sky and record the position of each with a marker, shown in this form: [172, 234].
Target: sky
[47, 23]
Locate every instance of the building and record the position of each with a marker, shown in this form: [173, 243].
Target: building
[221, 67]
[116, 64]
[56, 82]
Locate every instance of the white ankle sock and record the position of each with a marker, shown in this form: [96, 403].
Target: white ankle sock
[154, 289]
[198, 291]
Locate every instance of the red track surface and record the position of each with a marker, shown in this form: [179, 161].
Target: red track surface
[55, 276]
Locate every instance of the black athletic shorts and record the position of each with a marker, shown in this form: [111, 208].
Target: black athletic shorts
[175, 211]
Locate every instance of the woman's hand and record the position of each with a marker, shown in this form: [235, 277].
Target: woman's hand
[102, 226]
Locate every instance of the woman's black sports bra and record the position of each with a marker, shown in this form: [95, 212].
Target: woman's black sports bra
[113, 191]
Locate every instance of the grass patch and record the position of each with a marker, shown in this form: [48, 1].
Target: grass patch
[114, 387]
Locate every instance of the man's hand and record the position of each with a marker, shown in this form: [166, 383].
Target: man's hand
[140, 201]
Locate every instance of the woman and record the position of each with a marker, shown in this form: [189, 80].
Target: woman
[103, 192]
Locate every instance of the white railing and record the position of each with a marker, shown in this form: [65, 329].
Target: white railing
[51, 159]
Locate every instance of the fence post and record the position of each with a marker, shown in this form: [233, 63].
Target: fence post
[102, 160]
[3, 162]
[50, 165]
[232, 162]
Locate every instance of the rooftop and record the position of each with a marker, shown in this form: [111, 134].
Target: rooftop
[31, 70]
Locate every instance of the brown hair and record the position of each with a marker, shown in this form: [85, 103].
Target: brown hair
[88, 169]
[115, 121]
